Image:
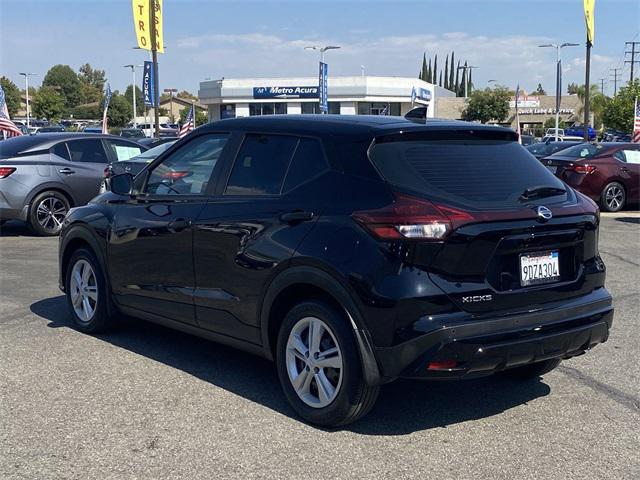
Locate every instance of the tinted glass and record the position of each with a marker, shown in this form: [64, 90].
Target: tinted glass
[124, 150]
[261, 164]
[308, 161]
[152, 153]
[187, 170]
[583, 150]
[61, 151]
[12, 146]
[631, 155]
[476, 173]
[87, 151]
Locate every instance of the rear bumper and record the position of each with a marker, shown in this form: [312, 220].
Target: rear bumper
[482, 346]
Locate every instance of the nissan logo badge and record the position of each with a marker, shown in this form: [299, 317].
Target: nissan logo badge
[544, 213]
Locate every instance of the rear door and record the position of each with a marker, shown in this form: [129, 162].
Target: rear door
[628, 160]
[84, 173]
[479, 181]
[259, 216]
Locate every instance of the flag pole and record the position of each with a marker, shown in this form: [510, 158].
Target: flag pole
[154, 59]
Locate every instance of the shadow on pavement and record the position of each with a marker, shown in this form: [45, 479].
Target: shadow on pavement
[402, 408]
[628, 219]
[15, 228]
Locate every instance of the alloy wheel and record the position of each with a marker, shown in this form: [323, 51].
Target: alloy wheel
[314, 362]
[83, 290]
[50, 213]
[614, 196]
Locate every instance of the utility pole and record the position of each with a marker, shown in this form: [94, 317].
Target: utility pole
[154, 59]
[616, 74]
[171, 91]
[466, 77]
[26, 76]
[602, 85]
[633, 60]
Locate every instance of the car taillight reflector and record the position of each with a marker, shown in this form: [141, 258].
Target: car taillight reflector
[411, 218]
[6, 171]
[442, 365]
[586, 169]
[175, 175]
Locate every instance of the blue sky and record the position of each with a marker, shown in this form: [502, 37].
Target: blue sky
[212, 39]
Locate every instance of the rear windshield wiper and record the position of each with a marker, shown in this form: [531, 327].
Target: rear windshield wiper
[541, 191]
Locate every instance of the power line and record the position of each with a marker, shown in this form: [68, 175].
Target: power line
[633, 60]
[616, 74]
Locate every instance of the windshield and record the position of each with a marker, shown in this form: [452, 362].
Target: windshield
[475, 173]
[151, 154]
[584, 150]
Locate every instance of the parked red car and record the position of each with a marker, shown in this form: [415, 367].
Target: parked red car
[609, 173]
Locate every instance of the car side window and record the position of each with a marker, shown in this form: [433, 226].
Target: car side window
[188, 169]
[87, 151]
[61, 151]
[261, 165]
[631, 156]
[308, 162]
[123, 150]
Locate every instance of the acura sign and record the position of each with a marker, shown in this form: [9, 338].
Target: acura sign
[285, 92]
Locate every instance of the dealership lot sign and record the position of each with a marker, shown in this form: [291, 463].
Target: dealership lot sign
[285, 92]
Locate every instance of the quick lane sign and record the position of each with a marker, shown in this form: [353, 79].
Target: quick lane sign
[285, 92]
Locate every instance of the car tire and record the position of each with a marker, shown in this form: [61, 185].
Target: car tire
[86, 282]
[47, 213]
[533, 370]
[613, 197]
[346, 397]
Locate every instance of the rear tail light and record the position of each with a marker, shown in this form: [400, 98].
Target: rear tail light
[412, 218]
[6, 171]
[175, 175]
[442, 365]
[580, 168]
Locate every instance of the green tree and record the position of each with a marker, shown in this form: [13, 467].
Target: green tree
[423, 71]
[48, 103]
[89, 93]
[429, 78]
[618, 112]
[201, 117]
[445, 84]
[572, 88]
[120, 111]
[11, 95]
[88, 112]
[597, 103]
[434, 73]
[456, 86]
[65, 79]
[540, 90]
[139, 99]
[488, 104]
[551, 123]
[88, 76]
[451, 74]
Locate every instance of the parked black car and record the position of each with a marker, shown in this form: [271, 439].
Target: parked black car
[351, 250]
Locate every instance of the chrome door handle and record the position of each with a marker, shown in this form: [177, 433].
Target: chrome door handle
[66, 171]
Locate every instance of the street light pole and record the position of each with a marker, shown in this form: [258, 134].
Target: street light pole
[26, 76]
[467, 76]
[558, 78]
[133, 93]
[322, 50]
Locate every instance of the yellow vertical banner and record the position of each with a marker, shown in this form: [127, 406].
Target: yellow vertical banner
[589, 16]
[141, 26]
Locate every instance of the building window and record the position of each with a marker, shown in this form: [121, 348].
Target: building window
[228, 111]
[314, 107]
[379, 108]
[267, 109]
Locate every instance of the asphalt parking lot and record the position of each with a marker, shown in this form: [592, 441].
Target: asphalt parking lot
[147, 402]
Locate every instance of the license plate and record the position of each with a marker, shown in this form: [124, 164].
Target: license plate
[540, 267]
[552, 169]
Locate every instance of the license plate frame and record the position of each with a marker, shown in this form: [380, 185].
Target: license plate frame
[539, 268]
[552, 168]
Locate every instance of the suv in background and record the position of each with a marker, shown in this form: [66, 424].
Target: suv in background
[42, 176]
[352, 250]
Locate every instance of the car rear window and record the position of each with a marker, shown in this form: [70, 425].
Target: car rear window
[462, 169]
[583, 150]
[13, 146]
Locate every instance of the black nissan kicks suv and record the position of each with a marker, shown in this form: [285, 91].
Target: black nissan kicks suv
[351, 250]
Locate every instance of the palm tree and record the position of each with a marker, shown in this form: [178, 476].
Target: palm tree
[597, 103]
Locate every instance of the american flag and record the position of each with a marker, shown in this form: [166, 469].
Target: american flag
[7, 127]
[187, 126]
[636, 123]
[107, 99]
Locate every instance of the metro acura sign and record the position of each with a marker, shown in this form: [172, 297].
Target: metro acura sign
[285, 92]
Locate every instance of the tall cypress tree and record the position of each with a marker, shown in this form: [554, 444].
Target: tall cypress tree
[446, 73]
[463, 81]
[451, 76]
[429, 72]
[434, 73]
[470, 87]
[456, 87]
[423, 72]
[440, 82]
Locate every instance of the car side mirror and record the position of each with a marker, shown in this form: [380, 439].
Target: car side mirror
[122, 184]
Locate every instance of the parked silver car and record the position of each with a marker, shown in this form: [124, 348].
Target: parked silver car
[42, 176]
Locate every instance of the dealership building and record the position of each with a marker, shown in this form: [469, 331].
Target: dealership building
[359, 95]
